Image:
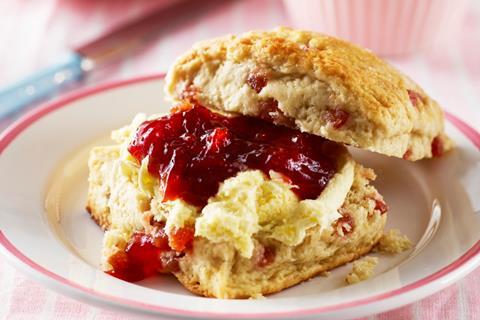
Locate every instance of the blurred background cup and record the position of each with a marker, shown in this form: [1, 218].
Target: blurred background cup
[387, 27]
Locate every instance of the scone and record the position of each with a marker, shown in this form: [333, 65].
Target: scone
[246, 187]
[316, 83]
[233, 206]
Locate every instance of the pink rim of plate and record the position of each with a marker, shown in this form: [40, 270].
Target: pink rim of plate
[16, 128]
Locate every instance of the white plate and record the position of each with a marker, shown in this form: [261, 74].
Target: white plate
[435, 202]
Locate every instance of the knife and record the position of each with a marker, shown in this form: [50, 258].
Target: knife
[81, 61]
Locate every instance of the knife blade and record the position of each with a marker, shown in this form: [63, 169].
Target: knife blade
[83, 60]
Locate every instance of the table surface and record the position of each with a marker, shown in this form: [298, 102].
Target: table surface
[33, 33]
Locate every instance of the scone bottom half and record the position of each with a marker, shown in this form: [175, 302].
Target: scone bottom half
[233, 206]
[317, 84]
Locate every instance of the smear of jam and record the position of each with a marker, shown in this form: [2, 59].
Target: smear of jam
[140, 259]
[182, 239]
[149, 254]
[193, 150]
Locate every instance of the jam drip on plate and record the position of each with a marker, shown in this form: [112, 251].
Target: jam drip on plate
[194, 149]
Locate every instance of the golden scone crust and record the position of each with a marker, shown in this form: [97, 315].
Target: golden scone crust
[322, 85]
[100, 166]
[217, 269]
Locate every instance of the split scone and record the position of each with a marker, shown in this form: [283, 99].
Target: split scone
[246, 188]
[234, 207]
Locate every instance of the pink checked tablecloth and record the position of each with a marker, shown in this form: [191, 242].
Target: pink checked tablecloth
[32, 33]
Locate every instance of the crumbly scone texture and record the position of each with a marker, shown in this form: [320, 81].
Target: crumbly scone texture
[100, 167]
[393, 242]
[362, 269]
[217, 269]
[316, 83]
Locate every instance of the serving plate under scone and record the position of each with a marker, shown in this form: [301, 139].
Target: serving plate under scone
[46, 232]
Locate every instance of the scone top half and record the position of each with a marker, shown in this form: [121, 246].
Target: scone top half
[316, 83]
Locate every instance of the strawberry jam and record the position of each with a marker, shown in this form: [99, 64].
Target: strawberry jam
[194, 149]
[140, 259]
[149, 254]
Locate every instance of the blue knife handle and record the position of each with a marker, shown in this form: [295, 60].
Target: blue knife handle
[41, 85]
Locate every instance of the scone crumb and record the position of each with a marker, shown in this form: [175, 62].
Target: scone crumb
[258, 296]
[362, 270]
[368, 174]
[325, 274]
[393, 242]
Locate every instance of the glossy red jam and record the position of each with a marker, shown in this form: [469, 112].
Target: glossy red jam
[193, 150]
[182, 239]
[149, 254]
[140, 259]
